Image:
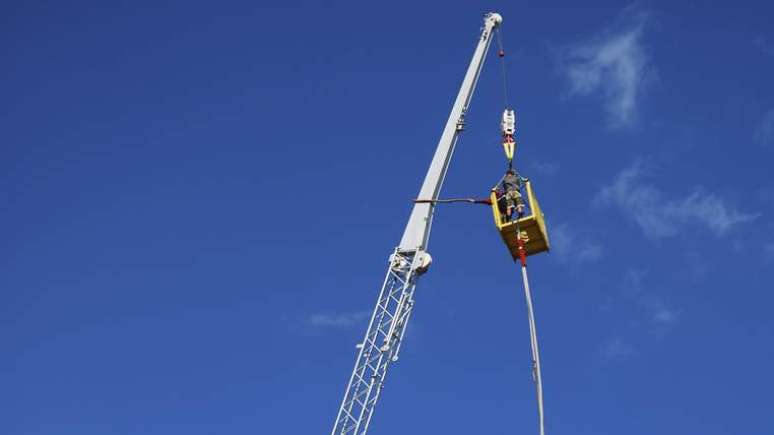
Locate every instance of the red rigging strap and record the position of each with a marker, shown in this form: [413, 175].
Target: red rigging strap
[522, 251]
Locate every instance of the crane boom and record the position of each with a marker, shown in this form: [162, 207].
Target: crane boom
[417, 230]
[409, 260]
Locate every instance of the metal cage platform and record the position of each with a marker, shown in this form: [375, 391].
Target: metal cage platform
[532, 227]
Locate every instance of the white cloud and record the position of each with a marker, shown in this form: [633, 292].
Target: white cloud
[768, 252]
[764, 134]
[661, 217]
[657, 313]
[341, 320]
[664, 316]
[640, 304]
[568, 246]
[614, 66]
[633, 281]
[545, 168]
[764, 46]
[695, 266]
[616, 348]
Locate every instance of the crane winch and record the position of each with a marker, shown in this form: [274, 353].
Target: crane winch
[409, 260]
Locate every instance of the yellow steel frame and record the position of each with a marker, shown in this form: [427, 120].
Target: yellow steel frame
[532, 227]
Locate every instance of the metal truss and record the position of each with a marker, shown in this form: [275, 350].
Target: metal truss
[381, 344]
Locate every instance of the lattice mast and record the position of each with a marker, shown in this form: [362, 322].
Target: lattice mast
[384, 335]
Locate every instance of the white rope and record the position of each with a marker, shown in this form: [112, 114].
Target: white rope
[536, 376]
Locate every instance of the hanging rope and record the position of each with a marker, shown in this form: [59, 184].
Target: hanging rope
[501, 55]
[533, 341]
[536, 375]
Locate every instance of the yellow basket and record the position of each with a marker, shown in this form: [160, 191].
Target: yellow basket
[532, 227]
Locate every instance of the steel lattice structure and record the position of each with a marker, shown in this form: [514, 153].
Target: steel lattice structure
[380, 345]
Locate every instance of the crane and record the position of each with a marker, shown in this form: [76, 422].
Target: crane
[410, 259]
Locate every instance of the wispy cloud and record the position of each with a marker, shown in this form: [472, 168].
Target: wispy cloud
[567, 245]
[545, 168]
[614, 65]
[659, 216]
[764, 134]
[663, 316]
[764, 45]
[695, 266]
[340, 320]
[768, 252]
[647, 312]
[658, 315]
[632, 282]
[616, 348]
[765, 194]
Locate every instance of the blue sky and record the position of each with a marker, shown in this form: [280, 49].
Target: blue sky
[198, 200]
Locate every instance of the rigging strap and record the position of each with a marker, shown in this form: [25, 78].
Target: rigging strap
[447, 201]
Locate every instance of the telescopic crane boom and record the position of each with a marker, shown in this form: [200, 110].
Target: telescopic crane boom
[409, 260]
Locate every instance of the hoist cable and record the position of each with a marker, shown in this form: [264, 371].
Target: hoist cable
[501, 55]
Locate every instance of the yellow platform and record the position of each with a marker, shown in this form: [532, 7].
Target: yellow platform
[532, 226]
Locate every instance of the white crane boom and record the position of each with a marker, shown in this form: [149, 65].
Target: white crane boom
[417, 230]
[384, 335]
